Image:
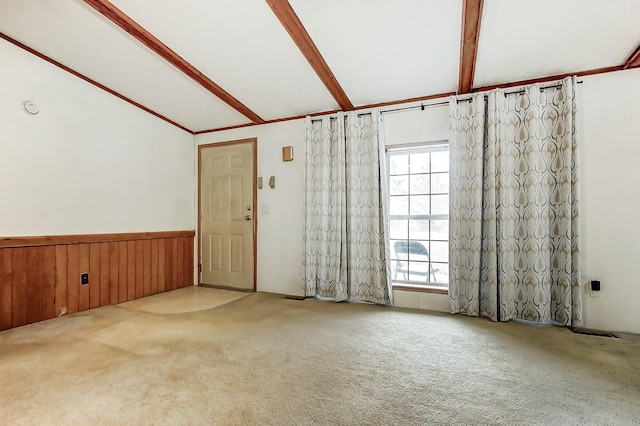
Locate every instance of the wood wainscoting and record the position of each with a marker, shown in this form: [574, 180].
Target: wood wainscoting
[40, 277]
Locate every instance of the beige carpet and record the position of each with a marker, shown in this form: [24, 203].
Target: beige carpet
[262, 359]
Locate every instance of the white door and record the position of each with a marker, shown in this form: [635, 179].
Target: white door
[227, 215]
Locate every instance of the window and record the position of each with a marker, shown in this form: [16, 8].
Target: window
[419, 214]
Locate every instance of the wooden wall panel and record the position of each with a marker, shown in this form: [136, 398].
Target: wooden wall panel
[131, 267]
[19, 288]
[154, 266]
[162, 262]
[61, 280]
[139, 269]
[180, 263]
[123, 275]
[146, 260]
[113, 273]
[6, 288]
[34, 290]
[73, 278]
[104, 274]
[41, 281]
[48, 282]
[94, 275]
[83, 265]
[169, 255]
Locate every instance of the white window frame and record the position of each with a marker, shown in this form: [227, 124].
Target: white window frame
[415, 148]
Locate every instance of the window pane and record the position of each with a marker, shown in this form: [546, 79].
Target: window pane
[420, 163]
[420, 204]
[399, 249]
[399, 229]
[419, 271]
[440, 204]
[439, 251]
[398, 164]
[400, 270]
[419, 184]
[440, 272]
[440, 161]
[440, 230]
[398, 205]
[399, 185]
[440, 183]
[419, 250]
[419, 229]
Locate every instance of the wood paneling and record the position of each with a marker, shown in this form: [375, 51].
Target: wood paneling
[113, 273]
[61, 280]
[52, 240]
[73, 278]
[104, 274]
[39, 282]
[6, 288]
[123, 274]
[19, 289]
[146, 268]
[131, 270]
[48, 282]
[94, 275]
[83, 265]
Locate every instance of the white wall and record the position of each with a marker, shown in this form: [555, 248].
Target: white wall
[88, 162]
[609, 127]
[280, 210]
[610, 203]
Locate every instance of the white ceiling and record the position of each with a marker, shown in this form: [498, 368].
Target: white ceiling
[378, 50]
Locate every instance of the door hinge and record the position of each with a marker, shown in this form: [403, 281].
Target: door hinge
[200, 215]
[199, 267]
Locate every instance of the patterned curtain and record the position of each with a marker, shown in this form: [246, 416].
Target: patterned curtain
[514, 206]
[346, 248]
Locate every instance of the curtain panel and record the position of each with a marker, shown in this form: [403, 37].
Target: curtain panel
[346, 247]
[514, 205]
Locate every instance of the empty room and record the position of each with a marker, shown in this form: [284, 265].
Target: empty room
[290, 212]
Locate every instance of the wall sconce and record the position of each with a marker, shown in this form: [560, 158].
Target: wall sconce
[287, 153]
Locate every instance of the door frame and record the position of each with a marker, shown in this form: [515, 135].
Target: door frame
[254, 145]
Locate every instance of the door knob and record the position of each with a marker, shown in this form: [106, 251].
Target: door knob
[247, 217]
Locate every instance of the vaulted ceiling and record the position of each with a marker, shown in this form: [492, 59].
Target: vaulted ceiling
[212, 64]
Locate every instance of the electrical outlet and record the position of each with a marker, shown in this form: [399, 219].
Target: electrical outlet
[84, 279]
[594, 288]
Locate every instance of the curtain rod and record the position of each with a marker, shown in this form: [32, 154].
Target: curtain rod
[521, 91]
[421, 106]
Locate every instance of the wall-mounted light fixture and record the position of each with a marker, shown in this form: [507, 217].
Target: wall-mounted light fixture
[287, 153]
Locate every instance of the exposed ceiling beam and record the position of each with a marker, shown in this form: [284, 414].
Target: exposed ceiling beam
[633, 61]
[287, 16]
[90, 81]
[136, 30]
[471, 17]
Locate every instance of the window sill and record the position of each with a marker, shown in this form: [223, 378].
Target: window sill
[420, 288]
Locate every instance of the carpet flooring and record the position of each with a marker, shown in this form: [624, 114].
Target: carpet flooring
[214, 359]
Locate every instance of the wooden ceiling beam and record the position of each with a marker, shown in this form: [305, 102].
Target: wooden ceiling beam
[471, 17]
[145, 37]
[633, 61]
[287, 16]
